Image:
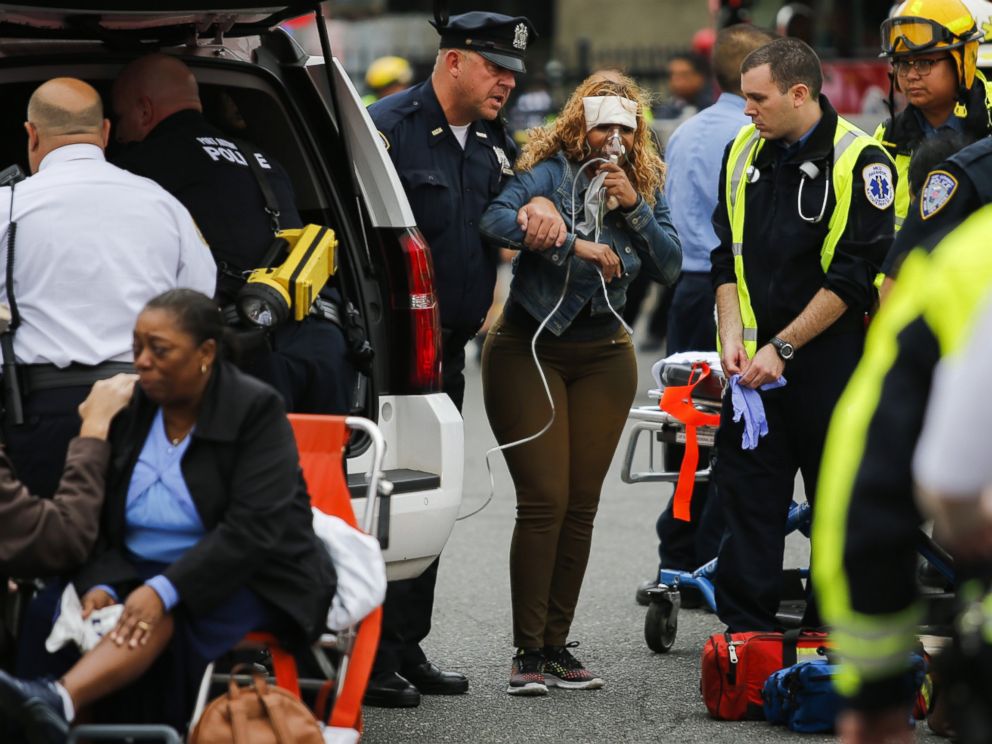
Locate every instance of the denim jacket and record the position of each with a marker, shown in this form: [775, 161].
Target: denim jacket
[640, 237]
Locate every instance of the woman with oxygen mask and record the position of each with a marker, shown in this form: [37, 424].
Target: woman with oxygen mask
[558, 367]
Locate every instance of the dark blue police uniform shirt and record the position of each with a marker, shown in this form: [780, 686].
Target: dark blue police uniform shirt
[205, 170]
[448, 189]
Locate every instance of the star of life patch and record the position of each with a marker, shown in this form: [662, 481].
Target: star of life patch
[879, 188]
[936, 192]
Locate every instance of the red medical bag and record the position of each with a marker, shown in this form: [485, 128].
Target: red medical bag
[735, 667]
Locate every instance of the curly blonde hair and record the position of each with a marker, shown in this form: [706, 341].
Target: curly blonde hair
[567, 133]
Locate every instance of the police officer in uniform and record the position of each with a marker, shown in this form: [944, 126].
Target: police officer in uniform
[951, 192]
[453, 155]
[867, 522]
[160, 118]
[804, 218]
[93, 244]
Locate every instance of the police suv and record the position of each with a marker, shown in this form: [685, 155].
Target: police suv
[303, 111]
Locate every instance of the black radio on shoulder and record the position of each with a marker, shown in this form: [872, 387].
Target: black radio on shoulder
[11, 174]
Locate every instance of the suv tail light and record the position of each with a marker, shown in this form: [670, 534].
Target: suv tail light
[425, 318]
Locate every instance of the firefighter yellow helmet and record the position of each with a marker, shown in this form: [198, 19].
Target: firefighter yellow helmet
[923, 26]
[387, 71]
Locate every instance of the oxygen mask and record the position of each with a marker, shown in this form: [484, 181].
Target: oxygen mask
[614, 149]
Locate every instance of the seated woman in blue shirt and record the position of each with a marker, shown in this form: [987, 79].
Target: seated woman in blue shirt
[206, 532]
[618, 224]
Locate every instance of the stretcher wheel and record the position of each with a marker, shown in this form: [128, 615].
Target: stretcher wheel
[661, 624]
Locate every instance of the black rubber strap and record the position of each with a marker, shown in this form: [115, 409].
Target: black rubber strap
[271, 203]
[790, 640]
[15, 316]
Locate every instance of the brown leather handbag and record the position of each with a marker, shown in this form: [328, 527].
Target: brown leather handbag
[258, 714]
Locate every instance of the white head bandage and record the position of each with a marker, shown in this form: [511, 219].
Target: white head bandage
[610, 110]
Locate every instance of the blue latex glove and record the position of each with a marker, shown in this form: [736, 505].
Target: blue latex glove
[747, 403]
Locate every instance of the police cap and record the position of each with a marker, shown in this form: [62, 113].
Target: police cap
[499, 38]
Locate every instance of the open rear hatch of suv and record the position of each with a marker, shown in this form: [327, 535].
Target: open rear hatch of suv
[167, 19]
[345, 181]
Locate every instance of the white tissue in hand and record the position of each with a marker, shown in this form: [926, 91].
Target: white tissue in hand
[72, 628]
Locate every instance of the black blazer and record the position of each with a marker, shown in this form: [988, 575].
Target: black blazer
[242, 470]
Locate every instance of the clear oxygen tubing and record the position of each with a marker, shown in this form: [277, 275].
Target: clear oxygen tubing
[537, 333]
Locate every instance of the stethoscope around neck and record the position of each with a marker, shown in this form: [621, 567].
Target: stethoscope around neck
[810, 172]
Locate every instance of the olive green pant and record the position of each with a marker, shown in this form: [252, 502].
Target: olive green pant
[558, 476]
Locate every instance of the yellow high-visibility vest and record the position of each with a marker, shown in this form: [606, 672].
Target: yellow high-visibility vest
[849, 143]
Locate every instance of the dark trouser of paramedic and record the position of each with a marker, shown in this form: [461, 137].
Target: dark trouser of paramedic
[309, 366]
[559, 475]
[691, 327]
[756, 486]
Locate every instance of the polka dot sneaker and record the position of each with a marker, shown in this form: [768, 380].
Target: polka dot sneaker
[561, 669]
[526, 674]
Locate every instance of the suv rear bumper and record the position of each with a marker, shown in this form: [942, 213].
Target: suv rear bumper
[425, 451]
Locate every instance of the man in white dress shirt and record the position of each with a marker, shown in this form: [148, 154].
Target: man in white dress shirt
[93, 244]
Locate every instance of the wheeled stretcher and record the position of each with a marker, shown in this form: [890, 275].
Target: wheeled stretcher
[689, 390]
[666, 423]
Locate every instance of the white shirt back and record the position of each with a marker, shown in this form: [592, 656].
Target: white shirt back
[94, 243]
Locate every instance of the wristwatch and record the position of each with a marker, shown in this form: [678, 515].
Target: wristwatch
[785, 350]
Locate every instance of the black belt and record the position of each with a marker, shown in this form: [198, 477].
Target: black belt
[35, 377]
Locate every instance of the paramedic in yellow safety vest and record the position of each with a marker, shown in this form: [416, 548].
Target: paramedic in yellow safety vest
[804, 217]
[933, 46]
[385, 76]
[866, 523]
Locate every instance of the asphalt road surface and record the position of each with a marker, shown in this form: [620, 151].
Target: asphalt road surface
[648, 697]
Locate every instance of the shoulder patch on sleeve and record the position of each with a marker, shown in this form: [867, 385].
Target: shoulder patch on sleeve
[936, 192]
[879, 188]
[385, 141]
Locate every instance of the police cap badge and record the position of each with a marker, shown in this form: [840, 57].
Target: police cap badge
[499, 38]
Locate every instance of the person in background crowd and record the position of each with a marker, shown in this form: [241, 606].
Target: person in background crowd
[690, 91]
[688, 86]
[385, 76]
[693, 158]
[94, 243]
[795, 20]
[206, 533]
[587, 357]
[453, 155]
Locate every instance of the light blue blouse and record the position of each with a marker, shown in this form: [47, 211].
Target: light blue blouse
[161, 518]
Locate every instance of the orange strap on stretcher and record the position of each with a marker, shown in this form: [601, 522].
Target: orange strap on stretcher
[677, 401]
